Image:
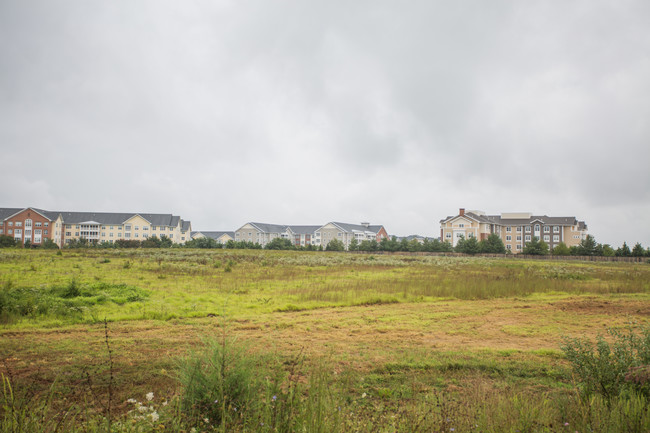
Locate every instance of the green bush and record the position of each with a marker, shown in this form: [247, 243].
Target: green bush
[222, 379]
[609, 368]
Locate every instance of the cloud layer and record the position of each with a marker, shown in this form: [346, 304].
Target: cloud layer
[300, 112]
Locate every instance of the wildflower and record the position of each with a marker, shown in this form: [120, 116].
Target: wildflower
[452, 429]
[363, 395]
[205, 420]
[132, 401]
[142, 409]
[566, 424]
[193, 430]
[275, 397]
[154, 416]
[164, 403]
[150, 396]
[216, 401]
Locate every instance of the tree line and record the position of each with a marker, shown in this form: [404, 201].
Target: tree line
[491, 245]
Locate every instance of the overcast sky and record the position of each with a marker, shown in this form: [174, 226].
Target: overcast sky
[304, 112]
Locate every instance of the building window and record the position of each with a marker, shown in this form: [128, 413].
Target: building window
[519, 229]
[518, 247]
[119, 235]
[45, 232]
[508, 238]
[10, 231]
[19, 224]
[171, 236]
[145, 235]
[127, 235]
[103, 234]
[527, 229]
[135, 235]
[508, 229]
[38, 224]
[461, 225]
[145, 227]
[127, 227]
[137, 227]
[11, 223]
[2, 231]
[527, 238]
[556, 229]
[110, 235]
[547, 229]
[470, 235]
[536, 227]
[547, 238]
[68, 233]
[448, 235]
[509, 247]
[519, 237]
[556, 238]
[77, 226]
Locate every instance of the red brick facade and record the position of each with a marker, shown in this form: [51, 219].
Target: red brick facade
[28, 225]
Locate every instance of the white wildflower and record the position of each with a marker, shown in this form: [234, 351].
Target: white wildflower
[154, 416]
[164, 403]
[193, 430]
[142, 409]
[132, 401]
[363, 395]
[150, 396]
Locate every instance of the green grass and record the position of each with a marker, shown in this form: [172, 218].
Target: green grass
[426, 339]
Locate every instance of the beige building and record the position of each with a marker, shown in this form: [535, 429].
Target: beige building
[220, 237]
[515, 229]
[345, 232]
[109, 227]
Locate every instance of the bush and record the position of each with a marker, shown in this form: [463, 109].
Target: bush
[610, 368]
[222, 378]
[7, 241]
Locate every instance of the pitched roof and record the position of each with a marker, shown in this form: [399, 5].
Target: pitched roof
[113, 218]
[215, 235]
[357, 227]
[6, 212]
[269, 228]
[303, 230]
[497, 219]
[185, 225]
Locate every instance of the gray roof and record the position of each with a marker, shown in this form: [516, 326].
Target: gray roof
[269, 228]
[185, 225]
[496, 219]
[358, 227]
[304, 230]
[117, 218]
[6, 212]
[10, 211]
[215, 235]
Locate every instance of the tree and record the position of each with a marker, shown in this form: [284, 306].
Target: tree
[608, 251]
[493, 245]
[354, 245]
[49, 244]
[561, 250]
[7, 241]
[279, 244]
[638, 250]
[368, 245]
[467, 246]
[414, 246]
[165, 242]
[152, 242]
[336, 245]
[536, 247]
[588, 246]
[623, 251]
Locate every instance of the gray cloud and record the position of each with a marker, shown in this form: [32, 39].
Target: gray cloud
[302, 112]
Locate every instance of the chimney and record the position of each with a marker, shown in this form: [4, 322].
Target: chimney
[461, 211]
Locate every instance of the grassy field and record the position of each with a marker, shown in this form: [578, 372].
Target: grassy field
[400, 337]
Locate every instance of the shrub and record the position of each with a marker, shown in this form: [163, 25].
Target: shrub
[610, 368]
[222, 378]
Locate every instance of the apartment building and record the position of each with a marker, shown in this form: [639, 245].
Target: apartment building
[299, 235]
[345, 232]
[28, 224]
[36, 225]
[514, 229]
[220, 237]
